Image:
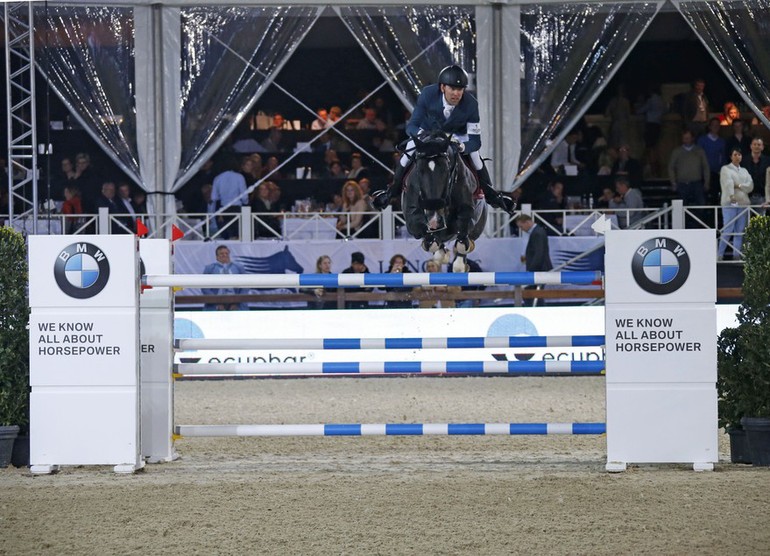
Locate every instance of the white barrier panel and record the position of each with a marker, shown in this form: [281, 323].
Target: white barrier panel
[661, 348]
[84, 335]
[156, 327]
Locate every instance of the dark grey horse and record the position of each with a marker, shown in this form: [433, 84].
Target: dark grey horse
[438, 199]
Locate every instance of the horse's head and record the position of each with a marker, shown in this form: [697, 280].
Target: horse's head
[434, 175]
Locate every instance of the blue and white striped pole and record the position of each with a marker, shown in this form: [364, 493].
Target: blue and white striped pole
[370, 280]
[390, 343]
[393, 367]
[398, 429]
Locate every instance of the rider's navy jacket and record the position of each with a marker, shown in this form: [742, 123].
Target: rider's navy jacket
[463, 122]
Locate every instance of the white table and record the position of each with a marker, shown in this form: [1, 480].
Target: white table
[311, 226]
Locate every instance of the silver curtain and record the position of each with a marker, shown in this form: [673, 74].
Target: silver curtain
[410, 44]
[87, 55]
[737, 34]
[230, 55]
[569, 52]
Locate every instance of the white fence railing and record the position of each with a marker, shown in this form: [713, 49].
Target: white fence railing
[388, 224]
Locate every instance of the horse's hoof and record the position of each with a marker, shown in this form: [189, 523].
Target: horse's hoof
[459, 265]
[464, 246]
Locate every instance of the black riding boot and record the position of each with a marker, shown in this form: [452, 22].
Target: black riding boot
[381, 198]
[494, 197]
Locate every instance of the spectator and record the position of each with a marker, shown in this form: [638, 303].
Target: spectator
[736, 186]
[566, 153]
[229, 192]
[556, 201]
[127, 207]
[63, 179]
[619, 113]
[603, 202]
[357, 266]
[353, 208]
[190, 193]
[758, 128]
[398, 265]
[266, 226]
[323, 265]
[245, 143]
[758, 166]
[471, 266]
[223, 265]
[251, 169]
[739, 139]
[428, 297]
[357, 168]
[688, 171]
[336, 171]
[653, 108]
[628, 167]
[321, 120]
[87, 181]
[71, 208]
[271, 171]
[696, 108]
[335, 205]
[107, 200]
[370, 121]
[730, 114]
[627, 200]
[335, 113]
[537, 257]
[274, 141]
[714, 147]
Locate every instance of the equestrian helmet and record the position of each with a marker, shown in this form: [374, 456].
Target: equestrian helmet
[453, 75]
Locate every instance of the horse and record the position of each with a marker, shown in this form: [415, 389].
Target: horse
[438, 199]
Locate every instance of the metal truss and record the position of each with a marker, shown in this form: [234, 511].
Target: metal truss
[21, 116]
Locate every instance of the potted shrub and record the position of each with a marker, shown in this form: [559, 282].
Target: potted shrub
[744, 352]
[14, 342]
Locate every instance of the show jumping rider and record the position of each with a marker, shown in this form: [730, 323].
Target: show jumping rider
[447, 104]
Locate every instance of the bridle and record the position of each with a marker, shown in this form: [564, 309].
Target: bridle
[437, 145]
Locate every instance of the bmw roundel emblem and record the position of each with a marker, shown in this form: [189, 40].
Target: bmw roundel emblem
[660, 265]
[81, 270]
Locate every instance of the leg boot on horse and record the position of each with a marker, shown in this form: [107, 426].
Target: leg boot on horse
[494, 197]
[382, 198]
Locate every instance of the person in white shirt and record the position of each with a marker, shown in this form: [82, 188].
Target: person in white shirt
[736, 185]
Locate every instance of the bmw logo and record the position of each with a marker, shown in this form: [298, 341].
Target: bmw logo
[81, 270]
[660, 266]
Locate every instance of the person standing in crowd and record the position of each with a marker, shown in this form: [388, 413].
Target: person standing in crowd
[688, 171]
[736, 185]
[71, 208]
[730, 114]
[696, 108]
[127, 207]
[626, 201]
[537, 256]
[320, 122]
[107, 200]
[357, 266]
[266, 226]
[758, 166]
[229, 192]
[223, 265]
[715, 148]
[738, 139]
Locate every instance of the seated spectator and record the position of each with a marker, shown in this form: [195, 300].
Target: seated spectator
[274, 141]
[554, 200]
[223, 265]
[71, 208]
[738, 139]
[245, 143]
[336, 170]
[353, 207]
[430, 300]
[265, 226]
[280, 123]
[357, 168]
[320, 122]
[335, 205]
[398, 265]
[271, 171]
[335, 113]
[603, 202]
[107, 200]
[370, 121]
[357, 266]
[730, 114]
[627, 198]
[323, 265]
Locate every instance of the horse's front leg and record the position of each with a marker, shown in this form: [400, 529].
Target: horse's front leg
[464, 244]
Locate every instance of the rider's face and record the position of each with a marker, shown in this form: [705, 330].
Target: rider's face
[453, 95]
